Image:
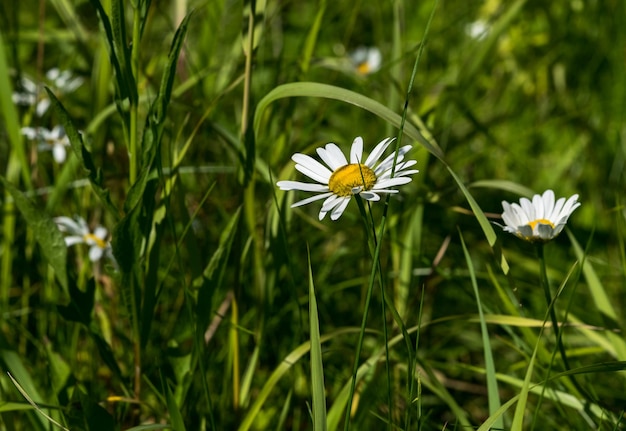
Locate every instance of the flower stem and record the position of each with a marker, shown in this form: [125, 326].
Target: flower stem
[555, 324]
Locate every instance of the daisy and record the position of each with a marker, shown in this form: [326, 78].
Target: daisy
[366, 60]
[54, 140]
[539, 220]
[343, 180]
[79, 233]
[30, 94]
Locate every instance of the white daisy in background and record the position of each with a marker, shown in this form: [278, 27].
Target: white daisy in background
[366, 60]
[539, 220]
[338, 184]
[478, 29]
[79, 233]
[54, 140]
[30, 94]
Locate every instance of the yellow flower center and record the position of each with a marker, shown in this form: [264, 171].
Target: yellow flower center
[98, 241]
[534, 223]
[347, 177]
[363, 68]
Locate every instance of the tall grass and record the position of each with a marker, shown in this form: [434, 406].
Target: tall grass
[221, 307]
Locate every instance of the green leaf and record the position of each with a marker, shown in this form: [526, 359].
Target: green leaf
[317, 368]
[48, 236]
[12, 363]
[119, 53]
[314, 89]
[11, 121]
[84, 156]
[175, 416]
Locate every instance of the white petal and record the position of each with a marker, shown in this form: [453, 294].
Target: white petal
[538, 206]
[378, 151]
[311, 168]
[305, 187]
[73, 239]
[339, 209]
[558, 206]
[391, 182]
[335, 154]
[95, 253]
[569, 206]
[66, 224]
[30, 132]
[101, 232]
[59, 153]
[331, 202]
[356, 151]
[42, 107]
[528, 209]
[370, 196]
[548, 204]
[311, 199]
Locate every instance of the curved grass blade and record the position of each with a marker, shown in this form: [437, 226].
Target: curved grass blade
[315, 89]
[290, 360]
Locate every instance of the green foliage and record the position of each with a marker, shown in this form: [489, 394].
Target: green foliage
[202, 314]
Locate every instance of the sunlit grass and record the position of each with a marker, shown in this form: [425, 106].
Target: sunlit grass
[215, 305]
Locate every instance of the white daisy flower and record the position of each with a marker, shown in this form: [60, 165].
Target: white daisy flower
[31, 94]
[539, 220]
[343, 180]
[79, 233]
[366, 60]
[54, 140]
[478, 29]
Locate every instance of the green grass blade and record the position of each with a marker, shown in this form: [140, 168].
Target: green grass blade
[11, 121]
[600, 299]
[317, 368]
[492, 382]
[520, 409]
[314, 89]
[176, 418]
[290, 360]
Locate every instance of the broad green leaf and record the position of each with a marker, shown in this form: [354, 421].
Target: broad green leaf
[47, 234]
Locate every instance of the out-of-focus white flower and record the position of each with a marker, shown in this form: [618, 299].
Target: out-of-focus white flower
[477, 29]
[343, 180]
[30, 94]
[79, 233]
[539, 220]
[366, 60]
[54, 140]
